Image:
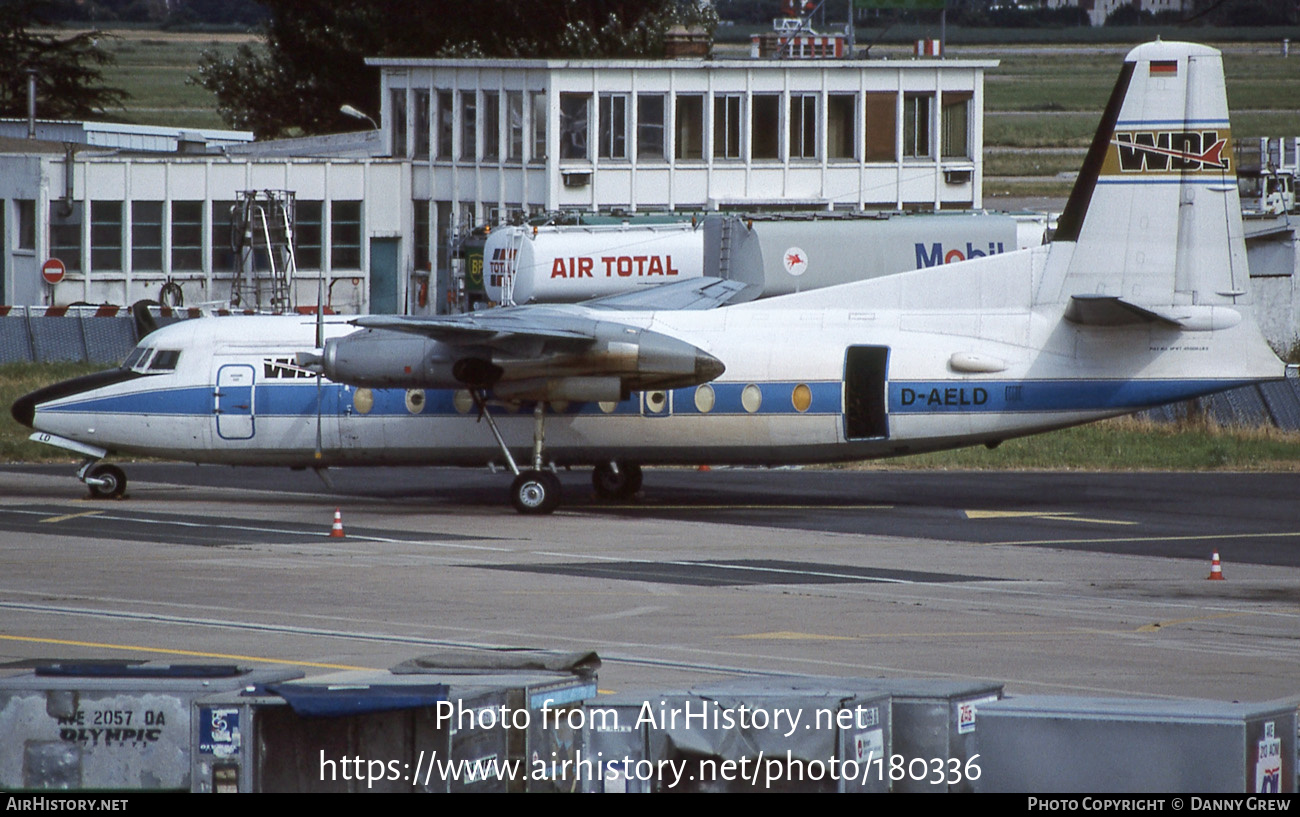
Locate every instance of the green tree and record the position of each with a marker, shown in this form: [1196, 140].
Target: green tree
[313, 60]
[69, 83]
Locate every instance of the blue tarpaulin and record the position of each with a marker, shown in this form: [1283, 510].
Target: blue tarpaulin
[338, 700]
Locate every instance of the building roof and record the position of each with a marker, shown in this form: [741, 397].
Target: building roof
[123, 135]
[17, 144]
[352, 145]
[687, 64]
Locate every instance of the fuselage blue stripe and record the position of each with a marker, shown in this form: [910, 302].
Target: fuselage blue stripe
[904, 397]
[949, 397]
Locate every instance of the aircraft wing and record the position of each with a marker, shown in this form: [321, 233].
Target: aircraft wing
[535, 352]
[490, 328]
[693, 293]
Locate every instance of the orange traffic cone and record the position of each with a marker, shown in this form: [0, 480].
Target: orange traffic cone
[336, 530]
[1216, 570]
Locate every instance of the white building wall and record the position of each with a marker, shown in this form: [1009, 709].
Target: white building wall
[381, 189]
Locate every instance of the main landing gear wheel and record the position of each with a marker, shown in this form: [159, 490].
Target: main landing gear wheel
[110, 482]
[535, 492]
[620, 484]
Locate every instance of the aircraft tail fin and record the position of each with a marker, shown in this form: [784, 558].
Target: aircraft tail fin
[1154, 219]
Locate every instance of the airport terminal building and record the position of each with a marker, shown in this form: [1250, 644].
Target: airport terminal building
[379, 215]
[535, 135]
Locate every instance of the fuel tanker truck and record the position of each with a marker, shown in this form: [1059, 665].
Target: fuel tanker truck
[775, 253]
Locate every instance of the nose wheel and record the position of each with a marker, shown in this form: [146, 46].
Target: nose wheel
[535, 492]
[106, 482]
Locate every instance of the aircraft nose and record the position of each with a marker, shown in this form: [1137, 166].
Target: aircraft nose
[24, 409]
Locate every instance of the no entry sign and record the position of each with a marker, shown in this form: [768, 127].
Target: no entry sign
[52, 271]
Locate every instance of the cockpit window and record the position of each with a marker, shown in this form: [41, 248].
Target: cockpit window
[147, 360]
[136, 357]
[165, 360]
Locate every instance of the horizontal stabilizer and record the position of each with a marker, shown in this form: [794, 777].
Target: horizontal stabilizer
[1110, 310]
[693, 293]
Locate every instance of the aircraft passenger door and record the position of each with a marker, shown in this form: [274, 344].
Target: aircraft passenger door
[233, 401]
[865, 380]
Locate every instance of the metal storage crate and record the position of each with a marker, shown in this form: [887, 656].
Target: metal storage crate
[108, 725]
[831, 740]
[932, 723]
[1065, 744]
[388, 732]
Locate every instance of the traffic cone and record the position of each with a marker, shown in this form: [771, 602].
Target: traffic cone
[1216, 570]
[336, 530]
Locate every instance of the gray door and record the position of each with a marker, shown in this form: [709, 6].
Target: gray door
[383, 276]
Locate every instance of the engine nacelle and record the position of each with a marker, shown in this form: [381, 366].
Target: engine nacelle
[616, 360]
[379, 359]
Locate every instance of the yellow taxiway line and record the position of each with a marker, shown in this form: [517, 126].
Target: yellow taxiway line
[186, 653]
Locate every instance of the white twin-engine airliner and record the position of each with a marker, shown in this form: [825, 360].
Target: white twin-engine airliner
[1141, 299]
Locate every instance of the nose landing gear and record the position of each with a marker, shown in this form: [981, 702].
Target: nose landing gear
[104, 481]
[533, 491]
